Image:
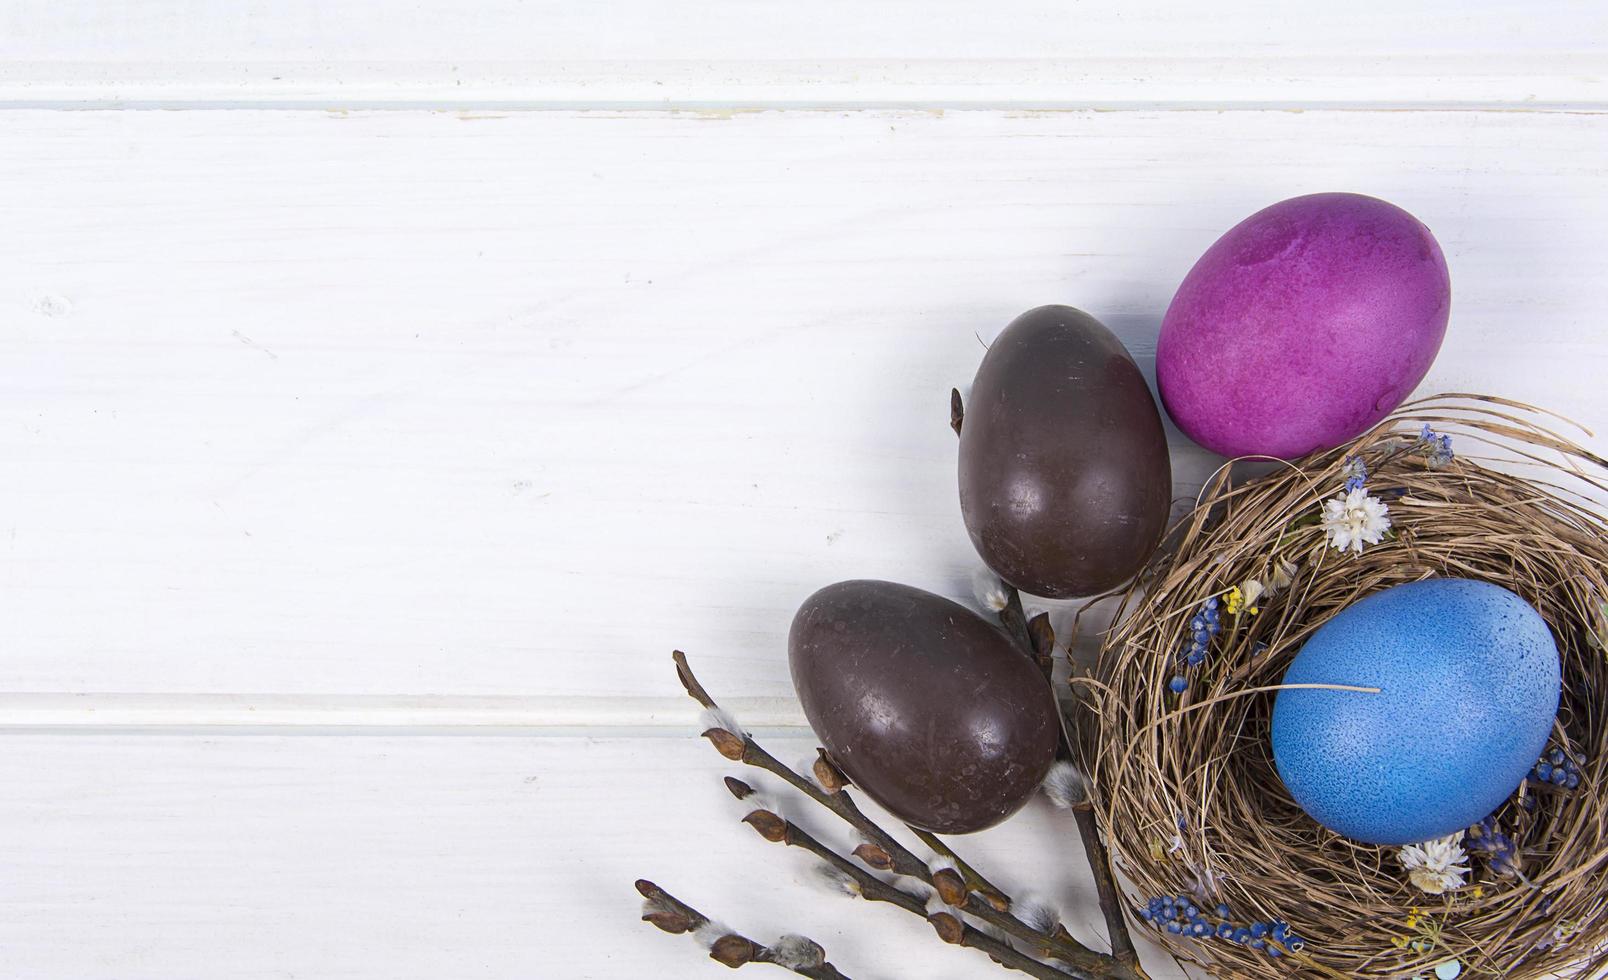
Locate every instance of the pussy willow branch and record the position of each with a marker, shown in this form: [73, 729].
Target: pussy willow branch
[1094, 848]
[674, 916]
[900, 860]
[1037, 641]
[973, 879]
[1105, 883]
[951, 928]
[1059, 945]
[779, 830]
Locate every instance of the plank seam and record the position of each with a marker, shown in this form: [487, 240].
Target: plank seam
[383, 714]
[1582, 107]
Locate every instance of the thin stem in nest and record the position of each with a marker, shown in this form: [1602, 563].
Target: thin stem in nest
[804, 957]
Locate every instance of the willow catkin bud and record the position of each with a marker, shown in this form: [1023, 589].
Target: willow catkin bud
[668, 920]
[797, 953]
[828, 776]
[948, 926]
[874, 856]
[947, 881]
[733, 951]
[727, 744]
[768, 825]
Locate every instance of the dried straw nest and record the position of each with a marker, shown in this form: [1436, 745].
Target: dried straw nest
[1185, 787]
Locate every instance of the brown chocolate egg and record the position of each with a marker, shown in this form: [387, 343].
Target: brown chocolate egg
[932, 711]
[1065, 482]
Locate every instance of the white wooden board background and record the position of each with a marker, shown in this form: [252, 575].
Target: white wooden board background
[384, 392]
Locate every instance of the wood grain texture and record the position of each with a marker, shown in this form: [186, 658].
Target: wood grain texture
[731, 52]
[437, 404]
[407, 857]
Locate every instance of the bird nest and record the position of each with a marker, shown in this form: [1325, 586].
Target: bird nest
[1184, 782]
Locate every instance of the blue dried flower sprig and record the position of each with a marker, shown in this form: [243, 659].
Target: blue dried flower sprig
[1356, 473]
[1500, 850]
[1437, 448]
[1205, 624]
[1556, 768]
[1181, 916]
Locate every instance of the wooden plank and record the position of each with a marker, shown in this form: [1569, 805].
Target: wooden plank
[727, 52]
[531, 714]
[173, 858]
[413, 404]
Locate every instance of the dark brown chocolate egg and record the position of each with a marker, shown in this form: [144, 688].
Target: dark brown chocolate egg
[1065, 484]
[931, 710]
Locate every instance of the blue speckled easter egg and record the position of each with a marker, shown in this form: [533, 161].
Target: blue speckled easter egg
[1468, 684]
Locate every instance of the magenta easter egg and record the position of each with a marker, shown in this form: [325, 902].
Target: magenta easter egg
[1302, 326]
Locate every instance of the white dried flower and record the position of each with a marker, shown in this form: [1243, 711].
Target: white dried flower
[710, 933]
[1251, 591]
[1065, 786]
[718, 717]
[990, 591]
[1036, 913]
[1354, 520]
[797, 953]
[1282, 575]
[1203, 884]
[1436, 866]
